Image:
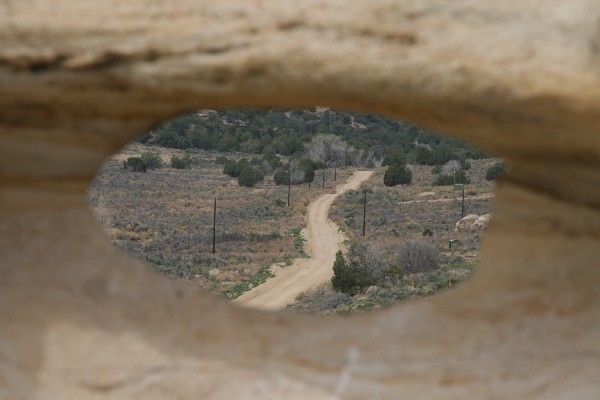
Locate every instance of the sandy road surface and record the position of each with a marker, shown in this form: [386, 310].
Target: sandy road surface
[322, 242]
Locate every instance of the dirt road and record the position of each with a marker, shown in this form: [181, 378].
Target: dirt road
[322, 242]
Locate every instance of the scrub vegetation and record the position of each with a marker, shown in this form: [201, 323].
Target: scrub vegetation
[156, 200]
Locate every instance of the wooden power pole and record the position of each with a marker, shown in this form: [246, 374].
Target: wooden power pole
[214, 226]
[335, 171]
[364, 215]
[346, 156]
[463, 203]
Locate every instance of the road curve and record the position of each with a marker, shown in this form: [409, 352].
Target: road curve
[323, 240]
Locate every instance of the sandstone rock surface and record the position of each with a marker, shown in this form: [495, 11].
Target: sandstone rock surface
[81, 320]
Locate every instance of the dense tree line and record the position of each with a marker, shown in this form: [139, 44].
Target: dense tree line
[287, 133]
[311, 140]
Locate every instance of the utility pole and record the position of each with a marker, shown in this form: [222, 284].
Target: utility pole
[214, 226]
[463, 204]
[323, 178]
[364, 214]
[289, 183]
[335, 171]
[458, 187]
[346, 156]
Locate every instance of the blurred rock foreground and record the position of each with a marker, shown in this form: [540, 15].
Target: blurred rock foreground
[81, 320]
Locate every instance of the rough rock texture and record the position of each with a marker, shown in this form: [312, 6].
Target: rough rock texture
[78, 79]
[473, 222]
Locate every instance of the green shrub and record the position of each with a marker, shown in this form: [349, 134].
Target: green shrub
[182, 162]
[446, 180]
[270, 156]
[318, 165]
[439, 156]
[309, 175]
[152, 160]
[343, 279]
[240, 165]
[476, 154]
[250, 176]
[495, 171]
[256, 161]
[275, 163]
[394, 156]
[436, 170]
[229, 168]
[427, 232]
[135, 164]
[309, 166]
[281, 177]
[269, 153]
[423, 156]
[363, 268]
[397, 175]
[464, 164]
[307, 163]
[221, 160]
[234, 169]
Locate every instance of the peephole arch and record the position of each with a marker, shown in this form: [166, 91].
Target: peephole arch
[530, 315]
[213, 173]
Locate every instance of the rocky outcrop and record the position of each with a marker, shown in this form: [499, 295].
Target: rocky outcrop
[472, 223]
[80, 319]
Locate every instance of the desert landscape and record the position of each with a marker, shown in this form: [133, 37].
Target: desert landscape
[83, 318]
[273, 256]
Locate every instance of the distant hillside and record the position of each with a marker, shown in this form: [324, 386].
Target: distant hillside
[286, 132]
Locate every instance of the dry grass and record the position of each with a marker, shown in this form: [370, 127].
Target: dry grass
[164, 218]
[391, 221]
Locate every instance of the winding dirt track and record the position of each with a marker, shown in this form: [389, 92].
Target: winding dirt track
[322, 242]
